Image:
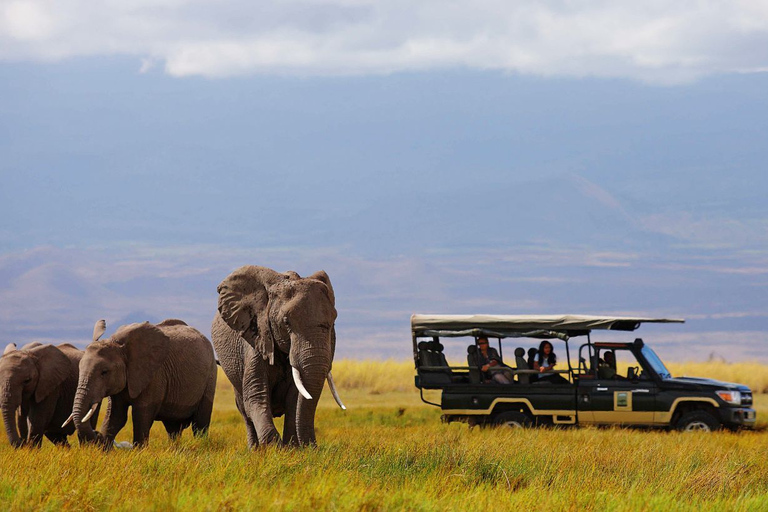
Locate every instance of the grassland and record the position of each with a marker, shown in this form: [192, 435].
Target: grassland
[390, 451]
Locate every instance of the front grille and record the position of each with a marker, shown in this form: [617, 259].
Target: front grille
[746, 399]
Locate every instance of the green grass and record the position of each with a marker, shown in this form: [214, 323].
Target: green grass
[390, 451]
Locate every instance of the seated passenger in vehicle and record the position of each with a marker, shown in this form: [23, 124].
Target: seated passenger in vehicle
[545, 363]
[607, 368]
[486, 358]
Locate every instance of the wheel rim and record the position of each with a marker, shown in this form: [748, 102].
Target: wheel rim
[697, 426]
[513, 424]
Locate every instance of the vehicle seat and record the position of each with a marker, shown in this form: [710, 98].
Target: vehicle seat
[475, 377]
[431, 354]
[522, 364]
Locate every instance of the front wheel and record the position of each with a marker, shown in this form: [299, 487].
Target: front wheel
[512, 419]
[697, 421]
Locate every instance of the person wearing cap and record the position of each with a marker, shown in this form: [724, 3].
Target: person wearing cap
[488, 360]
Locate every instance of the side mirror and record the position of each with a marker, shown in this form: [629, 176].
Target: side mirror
[632, 373]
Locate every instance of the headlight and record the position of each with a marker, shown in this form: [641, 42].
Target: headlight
[732, 397]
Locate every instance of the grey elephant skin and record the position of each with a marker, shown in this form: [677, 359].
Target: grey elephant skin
[164, 372]
[37, 391]
[275, 337]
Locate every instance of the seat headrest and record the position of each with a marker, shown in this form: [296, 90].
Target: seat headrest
[472, 349]
[532, 351]
[431, 345]
[519, 352]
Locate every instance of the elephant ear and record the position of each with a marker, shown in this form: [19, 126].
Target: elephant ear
[244, 306]
[11, 347]
[321, 276]
[98, 329]
[53, 368]
[146, 349]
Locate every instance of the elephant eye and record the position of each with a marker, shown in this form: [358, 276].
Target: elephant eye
[104, 372]
[285, 320]
[27, 380]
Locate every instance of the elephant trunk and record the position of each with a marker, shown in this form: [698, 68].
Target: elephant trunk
[9, 405]
[80, 410]
[313, 377]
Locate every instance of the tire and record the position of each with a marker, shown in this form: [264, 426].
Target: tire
[697, 421]
[512, 419]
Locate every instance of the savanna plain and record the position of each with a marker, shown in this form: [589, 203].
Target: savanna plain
[390, 451]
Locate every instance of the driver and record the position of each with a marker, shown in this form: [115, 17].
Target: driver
[607, 369]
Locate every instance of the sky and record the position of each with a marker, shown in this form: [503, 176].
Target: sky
[485, 157]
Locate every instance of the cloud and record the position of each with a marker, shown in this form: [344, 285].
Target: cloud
[654, 41]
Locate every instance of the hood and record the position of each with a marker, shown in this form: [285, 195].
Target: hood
[707, 383]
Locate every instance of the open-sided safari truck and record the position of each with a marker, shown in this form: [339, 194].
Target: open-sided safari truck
[613, 384]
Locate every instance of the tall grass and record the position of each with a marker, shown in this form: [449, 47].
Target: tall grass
[389, 451]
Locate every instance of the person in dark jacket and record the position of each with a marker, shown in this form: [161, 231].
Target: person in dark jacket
[488, 360]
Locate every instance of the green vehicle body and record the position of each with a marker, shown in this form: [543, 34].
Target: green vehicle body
[645, 396]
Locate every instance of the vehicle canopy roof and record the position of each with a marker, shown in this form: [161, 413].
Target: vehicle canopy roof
[524, 326]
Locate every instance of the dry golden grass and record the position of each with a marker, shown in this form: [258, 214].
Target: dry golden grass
[389, 451]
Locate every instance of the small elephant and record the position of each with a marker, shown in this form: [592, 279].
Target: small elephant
[37, 390]
[275, 337]
[164, 372]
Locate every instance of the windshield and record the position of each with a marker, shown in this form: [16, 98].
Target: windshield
[656, 363]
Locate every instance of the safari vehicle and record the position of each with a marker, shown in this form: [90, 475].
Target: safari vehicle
[639, 391]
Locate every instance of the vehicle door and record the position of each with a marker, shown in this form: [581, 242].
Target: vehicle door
[621, 391]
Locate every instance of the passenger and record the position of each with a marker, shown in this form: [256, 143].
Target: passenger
[545, 363]
[486, 358]
[607, 370]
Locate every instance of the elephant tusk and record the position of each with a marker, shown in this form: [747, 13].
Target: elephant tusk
[69, 420]
[90, 413]
[299, 384]
[335, 393]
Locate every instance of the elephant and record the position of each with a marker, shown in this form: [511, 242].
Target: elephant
[37, 390]
[275, 337]
[164, 372]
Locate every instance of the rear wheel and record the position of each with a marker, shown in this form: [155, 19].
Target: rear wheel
[697, 421]
[512, 419]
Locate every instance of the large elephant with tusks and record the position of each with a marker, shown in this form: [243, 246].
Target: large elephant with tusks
[275, 337]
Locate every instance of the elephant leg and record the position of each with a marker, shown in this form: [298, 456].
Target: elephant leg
[143, 418]
[253, 439]
[289, 426]
[256, 399]
[36, 433]
[58, 439]
[114, 420]
[201, 420]
[35, 439]
[174, 428]
[38, 418]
